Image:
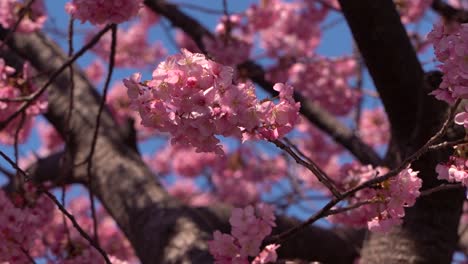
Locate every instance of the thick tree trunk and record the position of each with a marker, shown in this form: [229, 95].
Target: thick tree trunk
[429, 232]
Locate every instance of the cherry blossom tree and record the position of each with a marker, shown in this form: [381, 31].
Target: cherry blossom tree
[244, 143]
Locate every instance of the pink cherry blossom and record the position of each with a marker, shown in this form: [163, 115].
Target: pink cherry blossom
[386, 204]
[248, 231]
[454, 170]
[449, 42]
[267, 255]
[194, 99]
[462, 118]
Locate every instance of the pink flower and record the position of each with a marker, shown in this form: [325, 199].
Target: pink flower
[267, 255]
[462, 118]
[387, 203]
[248, 231]
[454, 170]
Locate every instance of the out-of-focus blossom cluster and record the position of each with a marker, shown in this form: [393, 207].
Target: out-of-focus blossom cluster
[326, 81]
[95, 71]
[99, 12]
[33, 19]
[194, 99]
[232, 43]
[132, 49]
[249, 227]
[287, 28]
[385, 203]
[30, 224]
[374, 128]
[238, 178]
[51, 140]
[412, 10]
[66, 243]
[14, 85]
[21, 218]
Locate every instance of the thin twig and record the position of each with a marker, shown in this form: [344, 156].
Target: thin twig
[69, 118]
[77, 226]
[96, 130]
[348, 208]
[439, 188]
[447, 144]
[321, 176]
[26, 253]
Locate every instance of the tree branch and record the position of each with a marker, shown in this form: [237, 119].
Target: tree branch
[449, 12]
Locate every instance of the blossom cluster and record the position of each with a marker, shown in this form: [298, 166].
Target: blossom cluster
[13, 85]
[384, 205]
[449, 42]
[249, 227]
[456, 168]
[99, 12]
[194, 99]
[34, 18]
